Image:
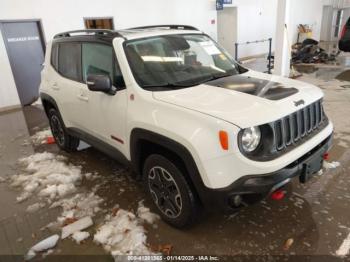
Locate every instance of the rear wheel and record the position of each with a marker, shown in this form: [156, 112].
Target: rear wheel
[59, 132]
[170, 192]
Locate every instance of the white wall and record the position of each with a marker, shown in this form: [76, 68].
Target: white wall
[305, 12]
[62, 15]
[256, 20]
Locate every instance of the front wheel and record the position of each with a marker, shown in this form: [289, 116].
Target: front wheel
[170, 192]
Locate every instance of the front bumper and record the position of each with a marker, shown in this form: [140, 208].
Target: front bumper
[253, 188]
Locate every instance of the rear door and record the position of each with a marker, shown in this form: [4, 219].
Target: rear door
[69, 86]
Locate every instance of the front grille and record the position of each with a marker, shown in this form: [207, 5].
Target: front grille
[297, 126]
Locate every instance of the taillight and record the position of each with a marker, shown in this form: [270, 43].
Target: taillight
[343, 31]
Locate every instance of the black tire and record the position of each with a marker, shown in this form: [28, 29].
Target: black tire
[172, 195]
[59, 132]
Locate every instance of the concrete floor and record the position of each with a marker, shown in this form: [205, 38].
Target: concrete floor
[316, 215]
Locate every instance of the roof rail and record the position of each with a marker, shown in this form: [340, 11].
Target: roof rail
[178, 27]
[87, 31]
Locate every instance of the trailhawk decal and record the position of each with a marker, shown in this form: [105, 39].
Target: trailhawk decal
[254, 86]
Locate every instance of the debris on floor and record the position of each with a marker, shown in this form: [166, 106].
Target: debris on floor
[309, 52]
[43, 245]
[288, 244]
[164, 249]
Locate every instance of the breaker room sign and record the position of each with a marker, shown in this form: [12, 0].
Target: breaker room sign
[23, 39]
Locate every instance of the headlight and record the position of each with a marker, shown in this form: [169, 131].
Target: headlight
[251, 138]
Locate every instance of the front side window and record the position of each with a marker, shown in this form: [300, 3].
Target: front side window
[175, 61]
[99, 59]
[69, 60]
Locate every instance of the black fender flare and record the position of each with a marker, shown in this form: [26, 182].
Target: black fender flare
[45, 98]
[175, 147]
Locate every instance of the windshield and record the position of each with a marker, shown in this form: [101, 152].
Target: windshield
[177, 61]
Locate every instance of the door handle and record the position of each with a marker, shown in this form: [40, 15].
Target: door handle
[55, 86]
[83, 98]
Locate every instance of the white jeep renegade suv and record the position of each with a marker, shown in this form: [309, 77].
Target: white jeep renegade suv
[200, 129]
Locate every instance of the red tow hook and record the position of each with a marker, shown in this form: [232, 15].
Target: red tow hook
[50, 140]
[277, 195]
[326, 156]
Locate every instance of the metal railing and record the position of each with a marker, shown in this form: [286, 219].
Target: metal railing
[269, 66]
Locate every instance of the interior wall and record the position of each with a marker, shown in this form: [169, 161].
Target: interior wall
[8, 91]
[256, 20]
[326, 23]
[227, 29]
[305, 12]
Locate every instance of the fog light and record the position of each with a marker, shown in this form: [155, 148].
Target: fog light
[236, 200]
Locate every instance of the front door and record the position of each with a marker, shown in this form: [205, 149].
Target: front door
[25, 49]
[106, 113]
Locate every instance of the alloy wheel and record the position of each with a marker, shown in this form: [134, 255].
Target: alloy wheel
[165, 192]
[57, 130]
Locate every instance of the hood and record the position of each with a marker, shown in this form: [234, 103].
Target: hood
[245, 100]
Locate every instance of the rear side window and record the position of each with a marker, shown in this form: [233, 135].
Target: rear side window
[54, 56]
[69, 58]
[99, 59]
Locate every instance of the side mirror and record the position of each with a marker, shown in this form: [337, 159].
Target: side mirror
[100, 83]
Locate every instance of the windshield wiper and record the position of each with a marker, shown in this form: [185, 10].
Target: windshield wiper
[169, 85]
[213, 77]
[221, 75]
[177, 85]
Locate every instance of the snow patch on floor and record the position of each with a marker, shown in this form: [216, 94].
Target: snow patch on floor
[55, 183]
[40, 137]
[46, 175]
[344, 248]
[43, 245]
[35, 207]
[145, 214]
[78, 206]
[77, 226]
[122, 233]
[80, 236]
[330, 165]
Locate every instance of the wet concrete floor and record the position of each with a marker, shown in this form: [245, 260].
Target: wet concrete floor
[316, 215]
